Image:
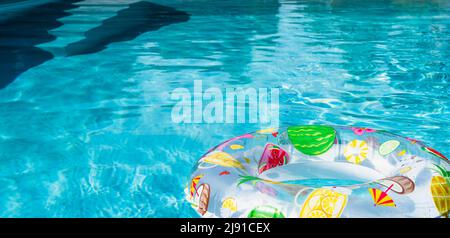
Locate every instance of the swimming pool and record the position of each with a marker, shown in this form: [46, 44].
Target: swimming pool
[89, 134]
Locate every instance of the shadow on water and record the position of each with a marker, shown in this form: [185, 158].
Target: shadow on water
[20, 34]
[128, 24]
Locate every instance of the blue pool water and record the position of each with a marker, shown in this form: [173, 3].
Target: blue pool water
[318, 183]
[91, 135]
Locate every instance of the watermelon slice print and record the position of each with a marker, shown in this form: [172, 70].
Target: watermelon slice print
[273, 156]
[312, 140]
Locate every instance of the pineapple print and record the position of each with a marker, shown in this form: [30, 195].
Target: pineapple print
[440, 190]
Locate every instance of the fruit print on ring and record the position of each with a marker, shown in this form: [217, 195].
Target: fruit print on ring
[356, 151]
[312, 140]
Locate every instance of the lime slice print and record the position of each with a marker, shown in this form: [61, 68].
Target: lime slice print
[388, 147]
[312, 140]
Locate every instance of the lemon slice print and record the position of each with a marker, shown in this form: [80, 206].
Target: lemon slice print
[326, 193]
[356, 151]
[317, 214]
[324, 203]
[328, 204]
[230, 204]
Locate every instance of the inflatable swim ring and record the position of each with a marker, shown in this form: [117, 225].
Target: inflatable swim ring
[321, 171]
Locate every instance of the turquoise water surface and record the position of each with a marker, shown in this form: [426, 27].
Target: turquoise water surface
[89, 134]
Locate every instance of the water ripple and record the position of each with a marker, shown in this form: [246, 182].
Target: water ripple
[91, 135]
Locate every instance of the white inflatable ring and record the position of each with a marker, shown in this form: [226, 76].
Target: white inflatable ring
[321, 171]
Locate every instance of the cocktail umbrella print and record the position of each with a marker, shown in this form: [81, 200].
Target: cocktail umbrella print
[381, 198]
